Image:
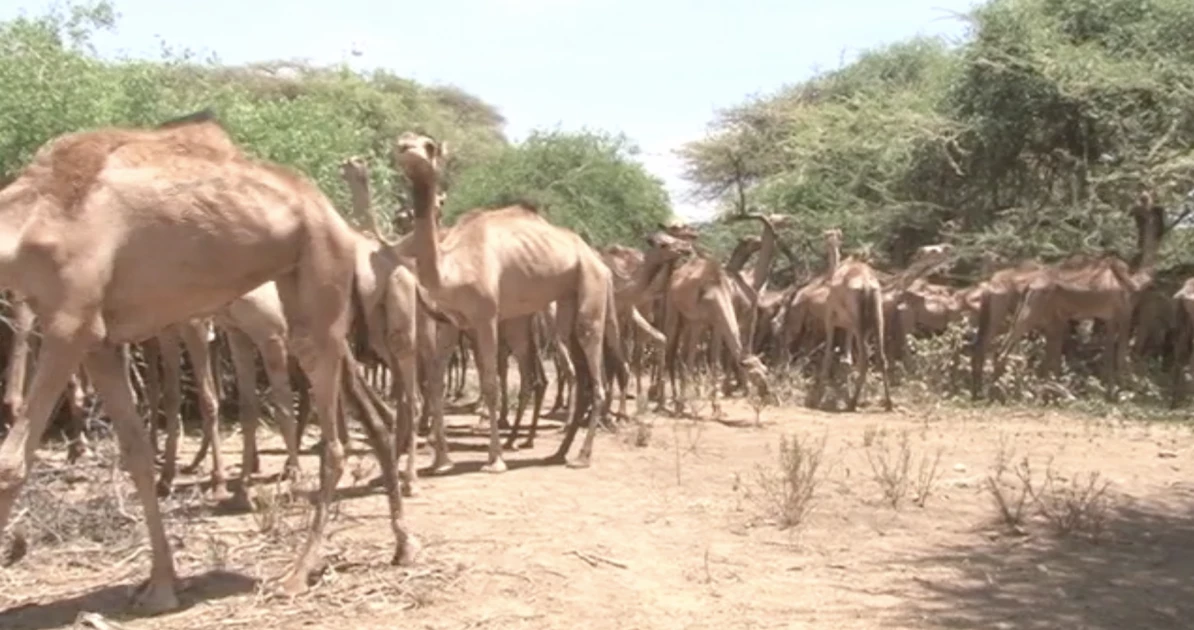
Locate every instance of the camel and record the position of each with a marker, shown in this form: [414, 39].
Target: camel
[639, 279]
[700, 296]
[387, 290]
[1184, 299]
[1103, 288]
[79, 224]
[501, 264]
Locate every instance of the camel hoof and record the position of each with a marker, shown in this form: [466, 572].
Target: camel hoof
[408, 490]
[152, 598]
[292, 584]
[442, 466]
[510, 446]
[497, 466]
[240, 501]
[578, 463]
[219, 493]
[529, 443]
[291, 472]
[559, 459]
[165, 488]
[406, 553]
[188, 470]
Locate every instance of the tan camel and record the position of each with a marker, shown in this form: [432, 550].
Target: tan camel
[1184, 355]
[506, 263]
[79, 224]
[388, 297]
[699, 295]
[1103, 288]
[639, 280]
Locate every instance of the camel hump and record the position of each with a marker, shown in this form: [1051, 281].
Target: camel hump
[67, 166]
[205, 115]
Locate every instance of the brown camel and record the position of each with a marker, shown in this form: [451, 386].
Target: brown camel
[1184, 299]
[699, 296]
[502, 264]
[1103, 288]
[388, 298]
[80, 222]
[639, 279]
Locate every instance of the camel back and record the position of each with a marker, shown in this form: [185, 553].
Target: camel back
[66, 167]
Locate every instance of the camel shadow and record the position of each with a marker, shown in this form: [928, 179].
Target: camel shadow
[474, 466]
[1137, 576]
[113, 601]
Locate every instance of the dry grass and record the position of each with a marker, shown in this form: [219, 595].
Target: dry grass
[665, 530]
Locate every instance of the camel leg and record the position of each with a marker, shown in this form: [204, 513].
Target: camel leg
[152, 353]
[18, 358]
[275, 359]
[540, 382]
[516, 341]
[244, 366]
[171, 355]
[108, 368]
[485, 339]
[194, 336]
[58, 359]
[407, 377]
[76, 429]
[317, 340]
[588, 326]
[446, 338]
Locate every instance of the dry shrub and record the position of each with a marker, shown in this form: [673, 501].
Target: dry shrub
[1067, 504]
[787, 494]
[894, 469]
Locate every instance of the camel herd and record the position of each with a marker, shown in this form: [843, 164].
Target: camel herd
[158, 238]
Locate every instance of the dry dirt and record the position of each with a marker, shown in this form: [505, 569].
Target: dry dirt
[672, 534]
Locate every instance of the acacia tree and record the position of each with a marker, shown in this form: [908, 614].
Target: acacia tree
[1031, 136]
[587, 181]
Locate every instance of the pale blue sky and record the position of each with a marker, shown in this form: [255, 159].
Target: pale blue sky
[655, 70]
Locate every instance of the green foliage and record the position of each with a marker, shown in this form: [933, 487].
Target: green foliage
[585, 181]
[1032, 136]
[307, 117]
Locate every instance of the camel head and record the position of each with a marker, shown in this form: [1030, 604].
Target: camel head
[931, 256]
[354, 170]
[757, 373]
[420, 157]
[667, 248]
[833, 237]
[423, 146]
[680, 230]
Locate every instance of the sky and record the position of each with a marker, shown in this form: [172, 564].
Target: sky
[655, 70]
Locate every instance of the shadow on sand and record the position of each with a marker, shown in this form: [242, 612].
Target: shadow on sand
[113, 601]
[1140, 574]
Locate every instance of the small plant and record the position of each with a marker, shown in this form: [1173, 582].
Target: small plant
[1076, 506]
[892, 467]
[787, 495]
[1069, 505]
[1009, 505]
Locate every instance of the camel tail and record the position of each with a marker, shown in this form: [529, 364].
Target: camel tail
[427, 305]
[358, 329]
[1183, 330]
[870, 313]
[615, 362]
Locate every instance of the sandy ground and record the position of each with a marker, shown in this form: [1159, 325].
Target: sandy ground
[674, 533]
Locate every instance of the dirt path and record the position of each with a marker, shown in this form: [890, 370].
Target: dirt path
[672, 534]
